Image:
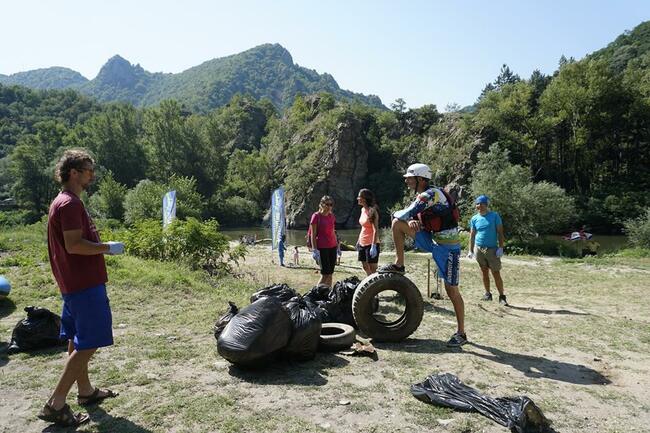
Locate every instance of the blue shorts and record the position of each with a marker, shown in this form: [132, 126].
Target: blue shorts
[86, 318]
[447, 257]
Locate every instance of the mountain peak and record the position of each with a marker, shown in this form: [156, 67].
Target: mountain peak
[119, 72]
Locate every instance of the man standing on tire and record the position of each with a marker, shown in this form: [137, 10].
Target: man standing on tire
[77, 261]
[432, 221]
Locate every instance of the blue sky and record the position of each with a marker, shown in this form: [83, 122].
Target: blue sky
[426, 52]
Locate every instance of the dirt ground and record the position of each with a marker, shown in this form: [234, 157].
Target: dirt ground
[575, 339]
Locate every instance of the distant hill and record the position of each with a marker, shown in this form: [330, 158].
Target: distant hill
[628, 46]
[48, 78]
[264, 71]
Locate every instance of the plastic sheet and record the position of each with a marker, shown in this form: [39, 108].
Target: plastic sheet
[38, 331]
[254, 335]
[519, 414]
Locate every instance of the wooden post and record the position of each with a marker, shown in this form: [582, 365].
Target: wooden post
[428, 278]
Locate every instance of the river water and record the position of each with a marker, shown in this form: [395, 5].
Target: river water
[608, 244]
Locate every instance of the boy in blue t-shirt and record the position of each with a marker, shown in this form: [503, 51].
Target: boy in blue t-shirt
[486, 234]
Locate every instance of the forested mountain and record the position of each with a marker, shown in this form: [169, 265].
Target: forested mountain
[48, 78]
[266, 71]
[553, 151]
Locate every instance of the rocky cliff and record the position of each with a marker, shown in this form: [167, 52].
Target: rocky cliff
[344, 160]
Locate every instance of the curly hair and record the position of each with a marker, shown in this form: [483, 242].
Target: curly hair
[71, 158]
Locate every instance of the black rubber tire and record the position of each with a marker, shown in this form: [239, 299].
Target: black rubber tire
[335, 337]
[363, 308]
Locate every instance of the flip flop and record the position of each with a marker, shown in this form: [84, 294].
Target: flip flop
[95, 398]
[63, 417]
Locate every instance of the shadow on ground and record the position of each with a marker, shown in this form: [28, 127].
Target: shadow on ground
[308, 373]
[544, 311]
[7, 306]
[432, 308]
[415, 345]
[106, 423]
[539, 367]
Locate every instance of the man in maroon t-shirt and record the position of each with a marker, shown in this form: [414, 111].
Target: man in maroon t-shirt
[77, 261]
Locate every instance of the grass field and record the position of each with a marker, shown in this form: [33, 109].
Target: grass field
[576, 339]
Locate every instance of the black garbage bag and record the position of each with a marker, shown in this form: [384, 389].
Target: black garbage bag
[519, 414]
[39, 330]
[307, 324]
[225, 319]
[255, 334]
[281, 292]
[339, 303]
[317, 298]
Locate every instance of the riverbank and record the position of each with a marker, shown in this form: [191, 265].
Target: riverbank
[570, 340]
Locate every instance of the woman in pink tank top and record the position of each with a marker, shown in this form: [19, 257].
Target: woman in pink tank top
[323, 239]
[368, 243]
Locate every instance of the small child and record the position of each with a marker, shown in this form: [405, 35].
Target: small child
[296, 257]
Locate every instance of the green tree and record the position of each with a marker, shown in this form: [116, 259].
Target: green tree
[145, 200]
[528, 209]
[108, 201]
[114, 137]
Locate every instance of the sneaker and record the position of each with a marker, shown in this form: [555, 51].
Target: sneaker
[457, 340]
[487, 296]
[391, 269]
[502, 300]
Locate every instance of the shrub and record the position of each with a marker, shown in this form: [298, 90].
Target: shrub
[12, 218]
[638, 230]
[198, 244]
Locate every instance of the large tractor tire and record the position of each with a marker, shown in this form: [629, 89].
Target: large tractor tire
[364, 307]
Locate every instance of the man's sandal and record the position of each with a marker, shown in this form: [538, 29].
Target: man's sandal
[95, 398]
[63, 417]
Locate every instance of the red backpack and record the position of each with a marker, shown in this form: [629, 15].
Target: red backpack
[439, 220]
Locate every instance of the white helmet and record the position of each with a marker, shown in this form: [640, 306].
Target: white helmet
[420, 170]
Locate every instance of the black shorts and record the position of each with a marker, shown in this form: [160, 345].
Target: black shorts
[364, 254]
[327, 260]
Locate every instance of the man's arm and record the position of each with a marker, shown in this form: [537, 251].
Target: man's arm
[417, 206]
[472, 236]
[502, 238]
[75, 244]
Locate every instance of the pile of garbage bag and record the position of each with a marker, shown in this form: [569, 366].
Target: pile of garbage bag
[281, 322]
[39, 330]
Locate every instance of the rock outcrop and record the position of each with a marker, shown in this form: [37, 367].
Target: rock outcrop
[345, 163]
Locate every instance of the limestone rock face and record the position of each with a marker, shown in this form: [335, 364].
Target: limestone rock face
[344, 162]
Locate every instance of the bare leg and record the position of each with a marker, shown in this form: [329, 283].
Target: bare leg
[75, 367]
[400, 229]
[459, 306]
[326, 280]
[485, 271]
[498, 281]
[372, 268]
[366, 267]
